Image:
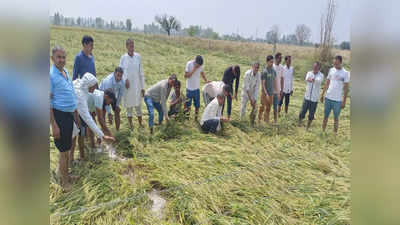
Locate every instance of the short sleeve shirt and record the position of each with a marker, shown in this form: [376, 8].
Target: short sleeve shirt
[337, 79]
[193, 83]
[268, 76]
[95, 100]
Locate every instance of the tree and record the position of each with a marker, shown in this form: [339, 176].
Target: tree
[326, 37]
[129, 24]
[57, 18]
[168, 23]
[99, 22]
[193, 30]
[273, 36]
[345, 45]
[303, 33]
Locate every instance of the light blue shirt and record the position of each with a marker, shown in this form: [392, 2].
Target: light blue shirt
[62, 93]
[117, 87]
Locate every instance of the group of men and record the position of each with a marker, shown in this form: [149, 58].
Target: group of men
[75, 104]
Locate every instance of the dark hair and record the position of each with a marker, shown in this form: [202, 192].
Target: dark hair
[129, 40]
[318, 64]
[287, 57]
[177, 83]
[339, 57]
[227, 88]
[269, 58]
[87, 40]
[277, 55]
[199, 60]
[111, 95]
[237, 69]
[118, 69]
[173, 77]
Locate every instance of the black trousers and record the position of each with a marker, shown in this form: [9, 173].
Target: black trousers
[308, 106]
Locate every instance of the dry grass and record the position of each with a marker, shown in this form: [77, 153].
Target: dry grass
[249, 175]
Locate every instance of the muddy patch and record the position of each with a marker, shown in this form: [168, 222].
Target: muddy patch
[158, 203]
[111, 152]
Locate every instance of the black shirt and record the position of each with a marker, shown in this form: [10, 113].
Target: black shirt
[229, 77]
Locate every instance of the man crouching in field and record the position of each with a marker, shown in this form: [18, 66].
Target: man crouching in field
[156, 97]
[62, 112]
[87, 84]
[114, 82]
[211, 120]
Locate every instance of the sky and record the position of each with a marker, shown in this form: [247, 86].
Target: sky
[248, 18]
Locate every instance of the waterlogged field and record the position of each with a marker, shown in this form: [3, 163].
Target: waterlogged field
[247, 175]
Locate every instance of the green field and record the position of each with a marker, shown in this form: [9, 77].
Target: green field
[248, 175]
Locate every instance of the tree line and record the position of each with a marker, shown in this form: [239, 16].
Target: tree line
[170, 25]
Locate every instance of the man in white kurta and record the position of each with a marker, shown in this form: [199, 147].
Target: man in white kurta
[251, 87]
[134, 79]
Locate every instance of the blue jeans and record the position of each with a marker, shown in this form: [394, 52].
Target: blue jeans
[210, 126]
[332, 105]
[195, 95]
[150, 107]
[229, 103]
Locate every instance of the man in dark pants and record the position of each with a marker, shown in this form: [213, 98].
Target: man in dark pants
[211, 120]
[230, 74]
[63, 105]
[314, 79]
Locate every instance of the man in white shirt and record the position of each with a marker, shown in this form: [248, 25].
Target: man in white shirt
[287, 90]
[211, 89]
[251, 87]
[211, 119]
[337, 82]
[87, 84]
[313, 79]
[193, 70]
[133, 77]
[279, 78]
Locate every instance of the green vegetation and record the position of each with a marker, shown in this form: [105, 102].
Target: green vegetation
[248, 175]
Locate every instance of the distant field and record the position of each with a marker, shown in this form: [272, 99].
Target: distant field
[260, 175]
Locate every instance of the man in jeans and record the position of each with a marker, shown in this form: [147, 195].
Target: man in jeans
[313, 79]
[279, 69]
[231, 73]
[156, 97]
[211, 119]
[193, 71]
[337, 82]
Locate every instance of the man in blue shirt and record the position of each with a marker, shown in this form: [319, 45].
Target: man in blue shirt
[84, 60]
[63, 106]
[114, 82]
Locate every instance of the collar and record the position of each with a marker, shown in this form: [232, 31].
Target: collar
[59, 72]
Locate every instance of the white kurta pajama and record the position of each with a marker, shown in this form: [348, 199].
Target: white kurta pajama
[133, 71]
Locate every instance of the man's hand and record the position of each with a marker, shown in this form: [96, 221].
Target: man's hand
[291, 93]
[98, 141]
[253, 102]
[127, 84]
[56, 131]
[223, 119]
[143, 93]
[110, 118]
[108, 138]
[343, 104]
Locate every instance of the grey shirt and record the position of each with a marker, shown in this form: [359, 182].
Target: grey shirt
[159, 92]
